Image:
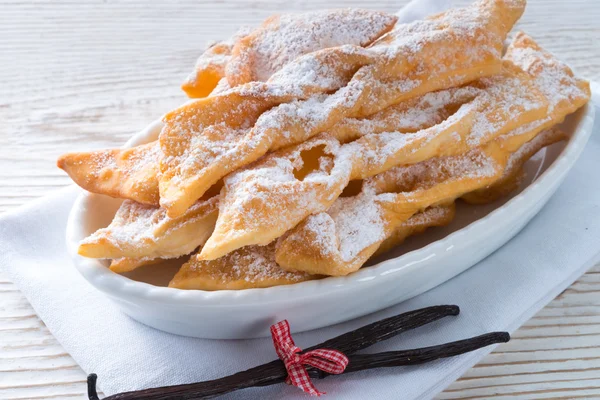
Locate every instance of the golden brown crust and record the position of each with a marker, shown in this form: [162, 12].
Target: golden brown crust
[210, 69]
[121, 173]
[513, 173]
[125, 264]
[205, 140]
[341, 240]
[431, 217]
[371, 135]
[250, 267]
[145, 232]
[283, 38]
[453, 121]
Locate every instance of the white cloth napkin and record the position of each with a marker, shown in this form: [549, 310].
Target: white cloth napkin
[500, 293]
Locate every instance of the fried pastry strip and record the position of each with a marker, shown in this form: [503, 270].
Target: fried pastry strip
[312, 162]
[250, 267]
[206, 139]
[122, 173]
[139, 234]
[283, 38]
[405, 118]
[127, 264]
[431, 217]
[526, 99]
[262, 51]
[210, 67]
[513, 172]
[341, 240]
[247, 212]
[254, 55]
[316, 154]
[255, 266]
[143, 187]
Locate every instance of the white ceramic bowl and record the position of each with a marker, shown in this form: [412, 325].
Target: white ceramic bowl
[422, 263]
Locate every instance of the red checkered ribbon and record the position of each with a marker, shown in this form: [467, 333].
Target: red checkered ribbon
[330, 361]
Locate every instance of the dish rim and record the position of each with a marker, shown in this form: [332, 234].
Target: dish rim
[124, 288]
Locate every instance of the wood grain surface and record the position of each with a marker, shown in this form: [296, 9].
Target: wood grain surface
[78, 75]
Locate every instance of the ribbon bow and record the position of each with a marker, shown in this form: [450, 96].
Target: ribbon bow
[327, 360]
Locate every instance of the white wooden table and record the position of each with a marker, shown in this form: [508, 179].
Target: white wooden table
[78, 75]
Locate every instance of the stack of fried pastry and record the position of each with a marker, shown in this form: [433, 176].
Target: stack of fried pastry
[319, 140]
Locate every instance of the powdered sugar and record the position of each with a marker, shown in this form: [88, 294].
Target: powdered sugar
[254, 195]
[252, 264]
[552, 77]
[475, 164]
[142, 231]
[403, 58]
[352, 224]
[284, 38]
[322, 231]
[133, 223]
[373, 152]
[100, 160]
[358, 223]
[408, 117]
[508, 97]
[323, 71]
[376, 151]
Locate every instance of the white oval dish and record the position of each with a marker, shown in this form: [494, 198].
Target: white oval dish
[422, 263]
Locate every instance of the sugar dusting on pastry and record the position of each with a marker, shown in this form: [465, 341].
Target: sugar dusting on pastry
[250, 267]
[408, 52]
[283, 38]
[450, 120]
[146, 232]
[360, 221]
[337, 134]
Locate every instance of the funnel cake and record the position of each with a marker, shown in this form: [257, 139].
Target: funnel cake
[204, 140]
[255, 266]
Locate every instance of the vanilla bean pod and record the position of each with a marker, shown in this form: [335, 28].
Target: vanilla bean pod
[275, 372]
[386, 328]
[359, 362]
